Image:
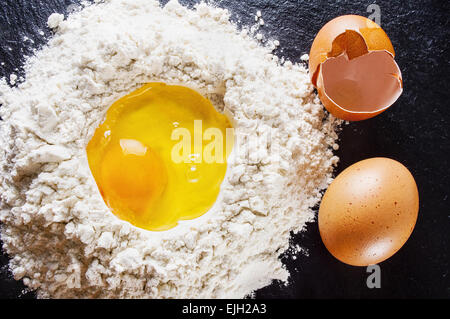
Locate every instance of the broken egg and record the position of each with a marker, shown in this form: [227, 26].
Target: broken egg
[148, 157]
[352, 65]
[369, 211]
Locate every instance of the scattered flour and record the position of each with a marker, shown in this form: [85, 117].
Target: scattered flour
[55, 20]
[12, 79]
[63, 240]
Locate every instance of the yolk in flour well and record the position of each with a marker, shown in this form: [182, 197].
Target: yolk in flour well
[160, 156]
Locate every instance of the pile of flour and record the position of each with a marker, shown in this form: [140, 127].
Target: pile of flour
[63, 240]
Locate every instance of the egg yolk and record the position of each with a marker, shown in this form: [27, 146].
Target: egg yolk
[132, 176]
[131, 156]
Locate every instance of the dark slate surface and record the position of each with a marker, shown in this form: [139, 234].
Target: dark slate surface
[415, 131]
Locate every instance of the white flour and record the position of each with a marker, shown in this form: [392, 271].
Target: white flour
[62, 238]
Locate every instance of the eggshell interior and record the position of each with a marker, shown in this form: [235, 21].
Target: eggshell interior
[368, 83]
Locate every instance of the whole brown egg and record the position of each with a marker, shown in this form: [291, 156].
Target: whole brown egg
[369, 211]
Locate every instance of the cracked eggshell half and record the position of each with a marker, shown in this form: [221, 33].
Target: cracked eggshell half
[353, 68]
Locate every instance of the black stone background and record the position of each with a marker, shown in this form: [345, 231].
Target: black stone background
[414, 131]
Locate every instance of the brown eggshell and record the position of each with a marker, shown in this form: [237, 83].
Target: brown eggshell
[376, 69]
[374, 36]
[369, 211]
[368, 79]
